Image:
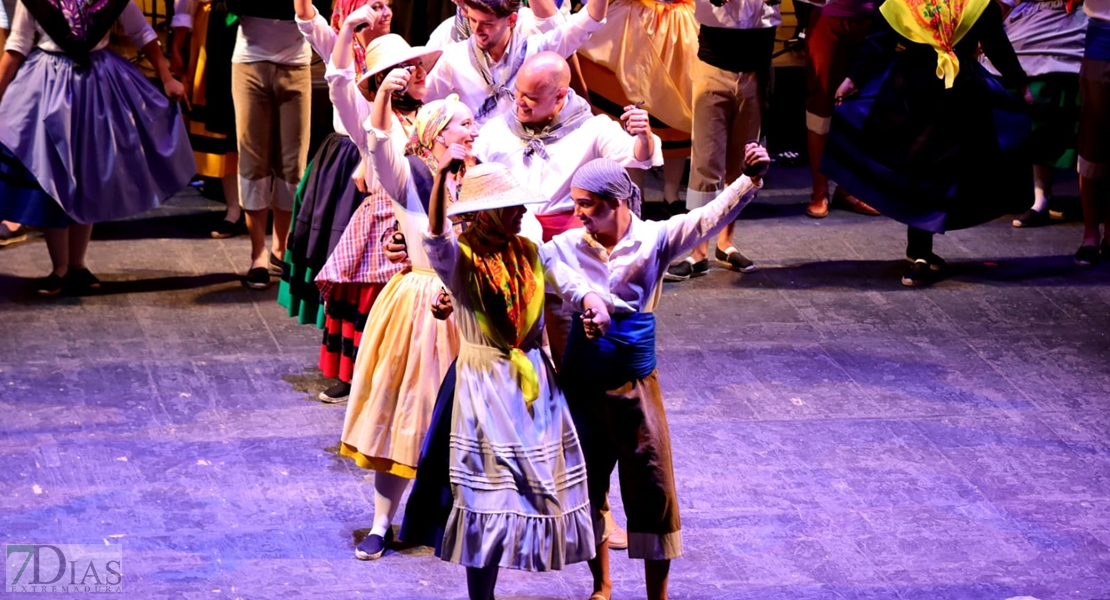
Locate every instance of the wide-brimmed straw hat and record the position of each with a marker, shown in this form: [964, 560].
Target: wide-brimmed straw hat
[391, 50]
[488, 186]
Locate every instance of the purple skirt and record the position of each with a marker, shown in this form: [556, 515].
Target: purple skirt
[101, 141]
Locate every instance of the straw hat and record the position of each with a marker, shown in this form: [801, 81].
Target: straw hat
[488, 186]
[391, 50]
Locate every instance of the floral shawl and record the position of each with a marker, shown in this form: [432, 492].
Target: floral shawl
[506, 290]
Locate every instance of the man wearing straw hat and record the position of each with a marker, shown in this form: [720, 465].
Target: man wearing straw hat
[483, 69]
[611, 382]
[517, 472]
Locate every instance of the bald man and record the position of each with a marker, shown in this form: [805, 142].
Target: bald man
[552, 132]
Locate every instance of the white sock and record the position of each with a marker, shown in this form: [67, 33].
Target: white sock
[1042, 183]
[388, 490]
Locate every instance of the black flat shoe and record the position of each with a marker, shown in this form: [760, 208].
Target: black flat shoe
[685, 269]
[81, 281]
[1087, 256]
[258, 278]
[226, 229]
[918, 275]
[336, 394]
[51, 285]
[277, 266]
[373, 546]
[1032, 218]
[734, 260]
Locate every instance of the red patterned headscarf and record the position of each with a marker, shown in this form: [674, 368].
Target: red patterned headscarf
[339, 13]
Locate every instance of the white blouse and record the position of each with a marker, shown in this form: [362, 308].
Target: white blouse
[25, 28]
[628, 279]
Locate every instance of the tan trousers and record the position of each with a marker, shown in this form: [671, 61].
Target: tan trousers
[728, 108]
[273, 118]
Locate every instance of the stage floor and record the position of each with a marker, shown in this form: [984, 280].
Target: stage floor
[836, 436]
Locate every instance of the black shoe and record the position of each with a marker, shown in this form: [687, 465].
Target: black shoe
[936, 263]
[1087, 256]
[919, 274]
[373, 546]
[685, 269]
[81, 281]
[276, 265]
[225, 229]
[336, 394]
[9, 237]
[51, 285]
[735, 260]
[258, 278]
[1032, 218]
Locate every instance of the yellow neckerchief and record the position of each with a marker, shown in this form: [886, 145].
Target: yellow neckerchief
[938, 23]
[529, 255]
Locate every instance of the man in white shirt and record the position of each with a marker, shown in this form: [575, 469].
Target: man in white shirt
[735, 43]
[271, 84]
[611, 384]
[482, 70]
[553, 132]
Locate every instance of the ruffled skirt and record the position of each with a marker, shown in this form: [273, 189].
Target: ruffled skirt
[404, 354]
[518, 479]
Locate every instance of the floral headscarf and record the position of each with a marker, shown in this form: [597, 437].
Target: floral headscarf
[339, 13]
[938, 23]
[432, 119]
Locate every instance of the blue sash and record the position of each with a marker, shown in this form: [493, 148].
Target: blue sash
[1097, 45]
[626, 352]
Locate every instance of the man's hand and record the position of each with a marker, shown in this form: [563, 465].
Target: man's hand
[756, 161]
[636, 121]
[595, 317]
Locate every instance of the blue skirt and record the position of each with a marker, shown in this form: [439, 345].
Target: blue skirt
[932, 158]
[100, 141]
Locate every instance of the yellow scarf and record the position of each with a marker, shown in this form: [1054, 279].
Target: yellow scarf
[506, 290]
[938, 23]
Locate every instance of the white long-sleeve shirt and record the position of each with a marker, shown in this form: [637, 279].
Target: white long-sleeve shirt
[597, 137]
[259, 40]
[456, 71]
[628, 278]
[25, 28]
[738, 14]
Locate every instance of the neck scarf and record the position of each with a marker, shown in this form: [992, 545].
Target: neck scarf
[339, 14]
[515, 53]
[938, 23]
[575, 112]
[461, 31]
[505, 288]
[77, 26]
[606, 178]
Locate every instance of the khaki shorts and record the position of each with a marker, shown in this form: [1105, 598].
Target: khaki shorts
[1094, 119]
[273, 122]
[728, 108]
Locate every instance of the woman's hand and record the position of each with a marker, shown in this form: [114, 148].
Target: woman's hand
[395, 248]
[442, 307]
[846, 90]
[456, 156]
[397, 81]
[362, 17]
[175, 91]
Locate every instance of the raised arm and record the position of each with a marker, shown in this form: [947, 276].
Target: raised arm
[688, 230]
[305, 10]
[570, 35]
[543, 9]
